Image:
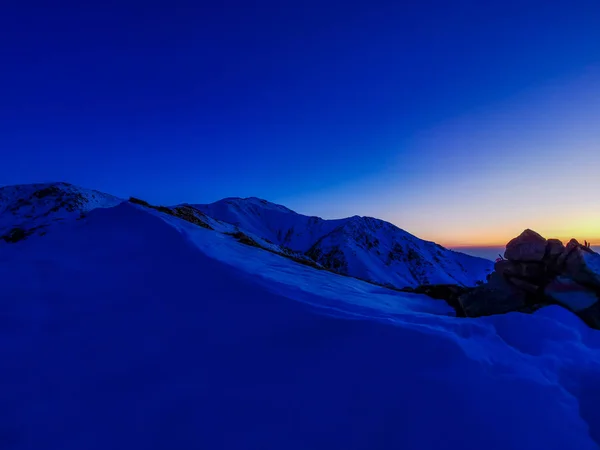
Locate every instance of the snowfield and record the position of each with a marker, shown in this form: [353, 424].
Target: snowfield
[132, 329]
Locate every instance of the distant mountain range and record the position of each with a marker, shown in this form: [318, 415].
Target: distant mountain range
[362, 247]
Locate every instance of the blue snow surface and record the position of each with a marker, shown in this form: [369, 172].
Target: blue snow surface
[128, 330]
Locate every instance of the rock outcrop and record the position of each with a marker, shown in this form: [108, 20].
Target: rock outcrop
[581, 264]
[497, 296]
[529, 246]
[538, 272]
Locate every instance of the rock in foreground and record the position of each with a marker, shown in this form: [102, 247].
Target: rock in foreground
[538, 272]
[529, 246]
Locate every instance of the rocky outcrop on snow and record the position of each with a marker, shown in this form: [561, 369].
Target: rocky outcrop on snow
[529, 246]
[581, 264]
[184, 212]
[538, 272]
[497, 296]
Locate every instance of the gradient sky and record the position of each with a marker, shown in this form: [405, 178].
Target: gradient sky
[462, 122]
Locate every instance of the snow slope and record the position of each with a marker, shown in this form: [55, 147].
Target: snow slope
[135, 329]
[362, 247]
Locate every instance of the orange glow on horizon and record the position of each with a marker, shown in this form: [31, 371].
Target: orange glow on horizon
[496, 230]
[501, 242]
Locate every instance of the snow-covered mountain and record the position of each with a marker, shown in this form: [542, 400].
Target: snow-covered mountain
[134, 327]
[34, 208]
[362, 247]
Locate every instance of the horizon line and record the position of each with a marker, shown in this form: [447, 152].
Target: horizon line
[593, 244]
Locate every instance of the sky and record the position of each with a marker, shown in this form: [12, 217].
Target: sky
[462, 122]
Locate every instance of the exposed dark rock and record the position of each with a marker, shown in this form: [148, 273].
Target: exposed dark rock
[505, 267]
[288, 235]
[440, 291]
[50, 190]
[395, 254]
[412, 255]
[528, 246]
[583, 265]
[520, 269]
[191, 215]
[304, 261]
[184, 212]
[15, 235]
[554, 248]
[450, 293]
[164, 209]
[370, 243]
[495, 297]
[139, 201]
[571, 246]
[244, 239]
[20, 203]
[334, 259]
[525, 285]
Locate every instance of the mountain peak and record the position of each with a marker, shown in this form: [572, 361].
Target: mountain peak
[255, 201]
[34, 207]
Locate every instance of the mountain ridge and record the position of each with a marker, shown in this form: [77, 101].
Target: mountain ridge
[362, 247]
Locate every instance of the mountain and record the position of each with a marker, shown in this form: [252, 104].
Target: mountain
[362, 247]
[35, 208]
[133, 327]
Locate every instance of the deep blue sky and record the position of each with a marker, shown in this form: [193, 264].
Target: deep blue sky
[410, 112]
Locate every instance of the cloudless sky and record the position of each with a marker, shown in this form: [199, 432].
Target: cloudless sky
[463, 122]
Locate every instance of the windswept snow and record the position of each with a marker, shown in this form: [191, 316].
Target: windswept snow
[134, 329]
